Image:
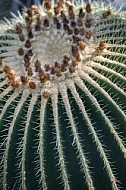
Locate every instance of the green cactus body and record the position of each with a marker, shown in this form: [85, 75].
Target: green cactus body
[62, 98]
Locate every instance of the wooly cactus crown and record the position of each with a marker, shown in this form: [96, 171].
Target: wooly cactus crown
[63, 98]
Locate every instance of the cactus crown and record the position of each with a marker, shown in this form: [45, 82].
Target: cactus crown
[64, 57]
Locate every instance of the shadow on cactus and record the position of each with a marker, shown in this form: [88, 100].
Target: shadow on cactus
[62, 98]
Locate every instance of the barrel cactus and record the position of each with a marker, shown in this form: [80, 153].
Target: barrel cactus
[63, 97]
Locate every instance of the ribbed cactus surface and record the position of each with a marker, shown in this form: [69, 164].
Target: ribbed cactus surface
[63, 98]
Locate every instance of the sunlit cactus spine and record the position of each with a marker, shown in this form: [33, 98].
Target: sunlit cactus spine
[62, 98]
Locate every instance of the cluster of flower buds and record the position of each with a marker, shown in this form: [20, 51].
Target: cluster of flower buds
[76, 26]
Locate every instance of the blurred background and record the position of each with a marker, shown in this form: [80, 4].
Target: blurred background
[7, 6]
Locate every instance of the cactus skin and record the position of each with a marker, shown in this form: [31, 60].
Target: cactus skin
[65, 134]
